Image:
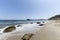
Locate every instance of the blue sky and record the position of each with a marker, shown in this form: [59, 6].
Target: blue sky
[33, 9]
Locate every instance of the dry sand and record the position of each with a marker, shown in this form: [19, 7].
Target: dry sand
[51, 31]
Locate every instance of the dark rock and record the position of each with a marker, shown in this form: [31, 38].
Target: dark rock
[18, 25]
[41, 24]
[31, 22]
[38, 22]
[9, 29]
[27, 36]
[28, 19]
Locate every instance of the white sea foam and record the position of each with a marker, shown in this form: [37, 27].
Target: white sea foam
[24, 28]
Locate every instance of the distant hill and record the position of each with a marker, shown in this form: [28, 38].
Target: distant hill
[56, 17]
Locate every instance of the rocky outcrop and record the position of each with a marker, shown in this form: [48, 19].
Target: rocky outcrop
[57, 17]
[9, 29]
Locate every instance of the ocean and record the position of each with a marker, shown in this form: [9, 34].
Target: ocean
[4, 23]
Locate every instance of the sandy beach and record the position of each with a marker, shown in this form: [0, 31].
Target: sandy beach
[19, 32]
[50, 31]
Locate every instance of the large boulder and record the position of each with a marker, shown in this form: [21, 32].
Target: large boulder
[9, 29]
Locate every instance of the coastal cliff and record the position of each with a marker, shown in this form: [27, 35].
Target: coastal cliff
[56, 17]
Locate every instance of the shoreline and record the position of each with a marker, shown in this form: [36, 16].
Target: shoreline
[28, 28]
[51, 31]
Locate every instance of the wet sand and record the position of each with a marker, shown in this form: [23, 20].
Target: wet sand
[50, 31]
[18, 34]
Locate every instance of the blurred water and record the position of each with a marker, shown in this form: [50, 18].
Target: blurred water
[4, 23]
